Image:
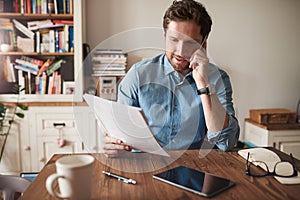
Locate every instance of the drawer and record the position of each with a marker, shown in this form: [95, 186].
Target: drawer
[51, 123]
[256, 135]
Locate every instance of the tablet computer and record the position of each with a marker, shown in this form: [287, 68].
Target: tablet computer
[29, 175]
[196, 181]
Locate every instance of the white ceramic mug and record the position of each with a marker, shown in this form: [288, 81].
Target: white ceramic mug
[74, 174]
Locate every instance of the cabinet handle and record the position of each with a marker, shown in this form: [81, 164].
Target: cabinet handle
[59, 124]
[27, 148]
[42, 160]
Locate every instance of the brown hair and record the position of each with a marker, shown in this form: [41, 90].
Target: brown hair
[187, 10]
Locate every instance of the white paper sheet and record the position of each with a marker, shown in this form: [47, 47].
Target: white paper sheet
[126, 123]
[270, 158]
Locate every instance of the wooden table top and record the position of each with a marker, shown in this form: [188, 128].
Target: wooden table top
[224, 164]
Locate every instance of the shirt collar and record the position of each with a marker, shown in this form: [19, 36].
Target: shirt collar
[168, 68]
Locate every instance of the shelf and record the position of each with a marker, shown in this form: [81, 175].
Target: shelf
[71, 71]
[27, 98]
[36, 16]
[36, 54]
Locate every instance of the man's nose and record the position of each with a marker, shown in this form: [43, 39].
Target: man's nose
[180, 49]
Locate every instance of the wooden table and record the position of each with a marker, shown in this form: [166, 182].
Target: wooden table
[225, 164]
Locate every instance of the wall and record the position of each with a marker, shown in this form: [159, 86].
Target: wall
[256, 42]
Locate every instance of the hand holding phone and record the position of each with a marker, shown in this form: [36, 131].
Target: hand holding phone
[199, 64]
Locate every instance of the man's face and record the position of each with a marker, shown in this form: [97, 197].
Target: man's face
[182, 40]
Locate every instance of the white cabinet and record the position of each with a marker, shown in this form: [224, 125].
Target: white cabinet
[287, 140]
[34, 139]
[11, 162]
[55, 130]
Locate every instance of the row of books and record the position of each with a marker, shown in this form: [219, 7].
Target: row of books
[42, 84]
[109, 62]
[35, 75]
[37, 6]
[32, 66]
[39, 35]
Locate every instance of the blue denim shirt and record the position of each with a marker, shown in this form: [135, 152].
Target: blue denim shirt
[173, 108]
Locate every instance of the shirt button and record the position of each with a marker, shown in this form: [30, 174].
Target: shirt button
[175, 106]
[173, 127]
[173, 141]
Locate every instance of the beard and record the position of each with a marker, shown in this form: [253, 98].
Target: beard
[179, 63]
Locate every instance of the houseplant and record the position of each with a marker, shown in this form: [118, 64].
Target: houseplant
[7, 119]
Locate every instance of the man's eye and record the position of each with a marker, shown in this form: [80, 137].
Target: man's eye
[173, 39]
[191, 43]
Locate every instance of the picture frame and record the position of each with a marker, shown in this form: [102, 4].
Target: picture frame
[69, 87]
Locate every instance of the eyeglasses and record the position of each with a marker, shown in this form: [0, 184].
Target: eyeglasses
[281, 169]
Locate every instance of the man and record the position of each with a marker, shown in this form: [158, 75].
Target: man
[183, 96]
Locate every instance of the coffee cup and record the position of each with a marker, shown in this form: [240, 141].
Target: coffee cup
[74, 175]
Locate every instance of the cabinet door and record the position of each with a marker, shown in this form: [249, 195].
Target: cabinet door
[11, 160]
[54, 131]
[88, 129]
[291, 147]
[256, 135]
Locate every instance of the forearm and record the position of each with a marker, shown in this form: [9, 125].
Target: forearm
[215, 114]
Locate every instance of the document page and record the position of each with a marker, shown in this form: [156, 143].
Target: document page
[270, 158]
[126, 123]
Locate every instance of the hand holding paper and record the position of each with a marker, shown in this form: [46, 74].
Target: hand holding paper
[126, 123]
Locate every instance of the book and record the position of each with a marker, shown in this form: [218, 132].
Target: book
[44, 41]
[54, 86]
[29, 81]
[54, 66]
[36, 61]
[108, 68]
[63, 21]
[26, 69]
[50, 85]
[33, 5]
[38, 42]
[23, 29]
[61, 39]
[109, 60]
[51, 41]
[51, 8]
[41, 84]
[11, 77]
[25, 44]
[27, 63]
[71, 39]
[60, 6]
[55, 7]
[66, 39]
[39, 6]
[38, 24]
[45, 66]
[28, 6]
[108, 51]
[9, 74]
[21, 81]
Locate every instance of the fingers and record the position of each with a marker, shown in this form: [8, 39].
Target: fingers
[112, 146]
[199, 58]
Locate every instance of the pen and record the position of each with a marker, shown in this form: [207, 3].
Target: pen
[120, 178]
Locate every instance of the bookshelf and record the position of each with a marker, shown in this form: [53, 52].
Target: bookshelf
[70, 70]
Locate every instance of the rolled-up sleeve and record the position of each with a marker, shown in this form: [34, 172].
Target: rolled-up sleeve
[227, 138]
